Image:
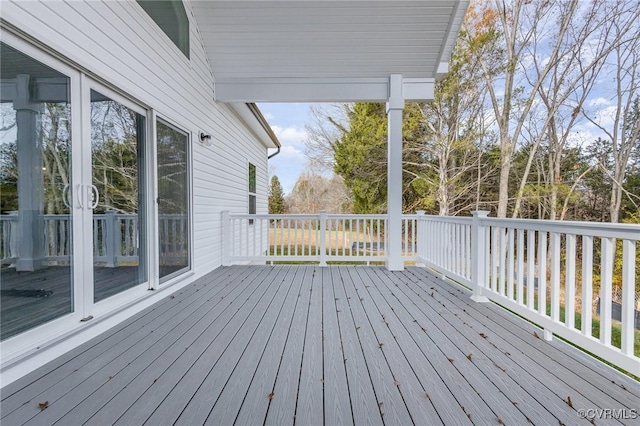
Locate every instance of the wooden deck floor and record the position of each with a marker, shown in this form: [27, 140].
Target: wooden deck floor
[308, 345]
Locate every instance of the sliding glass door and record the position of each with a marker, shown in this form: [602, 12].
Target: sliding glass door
[173, 200]
[74, 179]
[118, 158]
[36, 189]
[73, 219]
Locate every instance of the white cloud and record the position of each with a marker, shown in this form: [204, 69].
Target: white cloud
[290, 136]
[605, 117]
[599, 102]
[291, 153]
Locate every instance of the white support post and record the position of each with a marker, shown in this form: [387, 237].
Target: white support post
[395, 107]
[323, 238]
[628, 296]
[226, 238]
[421, 238]
[30, 181]
[111, 233]
[479, 255]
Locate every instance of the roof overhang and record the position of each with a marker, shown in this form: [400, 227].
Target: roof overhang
[326, 50]
[255, 121]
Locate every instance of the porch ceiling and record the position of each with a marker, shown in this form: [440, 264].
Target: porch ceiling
[323, 50]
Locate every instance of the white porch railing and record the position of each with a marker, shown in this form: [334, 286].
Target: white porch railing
[545, 271]
[318, 238]
[115, 238]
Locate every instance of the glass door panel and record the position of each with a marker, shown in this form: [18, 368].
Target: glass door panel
[173, 200]
[36, 250]
[118, 177]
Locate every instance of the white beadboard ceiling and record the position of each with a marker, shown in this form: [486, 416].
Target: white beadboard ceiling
[325, 50]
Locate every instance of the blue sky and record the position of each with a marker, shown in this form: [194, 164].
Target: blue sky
[287, 122]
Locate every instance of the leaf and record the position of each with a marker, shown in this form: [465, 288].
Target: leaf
[483, 335]
[43, 405]
[500, 421]
[381, 345]
[568, 401]
[470, 357]
[271, 395]
[450, 360]
[536, 335]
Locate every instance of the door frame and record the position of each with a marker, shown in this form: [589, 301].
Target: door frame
[61, 325]
[131, 295]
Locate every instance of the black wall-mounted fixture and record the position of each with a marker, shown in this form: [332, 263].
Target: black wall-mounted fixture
[204, 137]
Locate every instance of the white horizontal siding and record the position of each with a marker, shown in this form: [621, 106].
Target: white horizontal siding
[120, 44]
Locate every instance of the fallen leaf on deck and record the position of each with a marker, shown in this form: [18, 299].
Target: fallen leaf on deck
[43, 405]
[483, 335]
[470, 356]
[271, 395]
[536, 335]
[568, 401]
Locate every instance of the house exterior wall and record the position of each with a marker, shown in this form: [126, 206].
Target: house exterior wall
[120, 44]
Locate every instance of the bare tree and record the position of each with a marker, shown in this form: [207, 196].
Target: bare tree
[593, 32]
[622, 124]
[313, 192]
[328, 123]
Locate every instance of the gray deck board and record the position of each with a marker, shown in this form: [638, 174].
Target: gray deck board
[243, 350]
[309, 409]
[391, 404]
[268, 368]
[337, 402]
[164, 382]
[282, 409]
[505, 397]
[217, 360]
[86, 372]
[529, 366]
[412, 390]
[361, 393]
[596, 377]
[453, 398]
[277, 321]
[120, 392]
[302, 345]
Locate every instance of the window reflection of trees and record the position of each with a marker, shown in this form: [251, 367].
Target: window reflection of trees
[114, 146]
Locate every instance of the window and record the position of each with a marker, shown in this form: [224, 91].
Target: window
[171, 18]
[173, 200]
[252, 190]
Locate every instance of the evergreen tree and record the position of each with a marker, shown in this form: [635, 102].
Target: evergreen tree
[276, 196]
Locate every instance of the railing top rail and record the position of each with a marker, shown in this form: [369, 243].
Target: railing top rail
[450, 219]
[596, 229]
[306, 216]
[357, 216]
[273, 216]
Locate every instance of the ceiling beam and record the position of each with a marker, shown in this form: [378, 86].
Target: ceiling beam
[319, 89]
